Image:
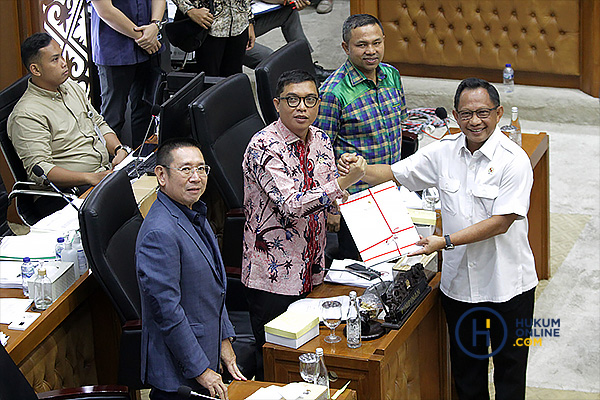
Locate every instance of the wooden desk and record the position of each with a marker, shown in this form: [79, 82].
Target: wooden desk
[239, 390]
[411, 362]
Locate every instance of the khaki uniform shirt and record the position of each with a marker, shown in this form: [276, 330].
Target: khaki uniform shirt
[58, 129]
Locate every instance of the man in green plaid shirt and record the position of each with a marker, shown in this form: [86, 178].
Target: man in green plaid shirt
[362, 107]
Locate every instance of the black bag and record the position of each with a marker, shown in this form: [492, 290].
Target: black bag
[185, 33]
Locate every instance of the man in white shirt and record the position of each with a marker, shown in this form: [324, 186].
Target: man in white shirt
[488, 275]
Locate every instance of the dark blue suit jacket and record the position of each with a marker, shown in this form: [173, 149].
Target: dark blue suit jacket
[184, 318]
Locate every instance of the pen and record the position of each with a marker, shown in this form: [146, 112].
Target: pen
[340, 391]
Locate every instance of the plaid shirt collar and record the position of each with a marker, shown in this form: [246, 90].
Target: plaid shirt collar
[357, 76]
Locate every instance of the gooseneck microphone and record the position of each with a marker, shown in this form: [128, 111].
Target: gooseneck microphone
[155, 119]
[187, 392]
[39, 172]
[442, 114]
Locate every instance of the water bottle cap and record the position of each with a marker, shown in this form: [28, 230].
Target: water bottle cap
[515, 109]
[42, 271]
[319, 351]
[60, 240]
[26, 259]
[352, 294]
[507, 65]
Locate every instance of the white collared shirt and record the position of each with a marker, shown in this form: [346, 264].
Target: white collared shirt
[495, 180]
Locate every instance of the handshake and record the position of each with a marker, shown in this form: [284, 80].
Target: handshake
[352, 168]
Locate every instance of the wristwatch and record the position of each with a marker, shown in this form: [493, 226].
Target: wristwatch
[449, 245]
[158, 23]
[123, 147]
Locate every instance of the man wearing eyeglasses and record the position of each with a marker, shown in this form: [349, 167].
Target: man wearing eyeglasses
[484, 180]
[186, 331]
[290, 182]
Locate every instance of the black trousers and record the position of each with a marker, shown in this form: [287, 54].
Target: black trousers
[265, 306]
[469, 351]
[222, 56]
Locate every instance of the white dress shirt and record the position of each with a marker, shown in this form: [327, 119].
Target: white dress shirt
[495, 180]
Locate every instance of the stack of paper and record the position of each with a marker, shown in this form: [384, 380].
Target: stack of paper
[292, 329]
[291, 391]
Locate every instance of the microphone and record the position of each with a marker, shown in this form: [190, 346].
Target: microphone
[155, 119]
[39, 172]
[187, 392]
[442, 114]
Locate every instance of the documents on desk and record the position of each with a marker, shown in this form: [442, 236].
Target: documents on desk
[11, 309]
[380, 224]
[63, 220]
[312, 306]
[35, 245]
[291, 391]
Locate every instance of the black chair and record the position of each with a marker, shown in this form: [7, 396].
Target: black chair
[32, 204]
[14, 386]
[4, 202]
[294, 55]
[224, 119]
[110, 220]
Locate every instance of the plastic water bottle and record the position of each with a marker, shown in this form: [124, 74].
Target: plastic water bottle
[60, 246]
[81, 262]
[515, 135]
[353, 331]
[42, 290]
[27, 271]
[69, 254]
[508, 79]
[322, 374]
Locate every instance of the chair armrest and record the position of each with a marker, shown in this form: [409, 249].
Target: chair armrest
[135, 324]
[100, 391]
[27, 192]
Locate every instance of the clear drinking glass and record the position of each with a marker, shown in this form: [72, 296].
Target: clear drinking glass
[430, 197]
[331, 312]
[309, 367]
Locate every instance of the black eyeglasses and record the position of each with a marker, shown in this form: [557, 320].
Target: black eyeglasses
[482, 113]
[186, 171]
[294, 101]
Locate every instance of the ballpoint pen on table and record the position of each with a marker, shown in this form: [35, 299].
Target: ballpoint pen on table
[340, 391]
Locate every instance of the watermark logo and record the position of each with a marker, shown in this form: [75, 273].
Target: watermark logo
[480, 320]
[473, 331]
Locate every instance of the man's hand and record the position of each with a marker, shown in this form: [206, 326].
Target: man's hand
[333, 222]
[229, 359]
[300, 4]
[344, 162]
[213, 382]
[355, 171]
[148, 41]
[201, 16]
[94, 178]
[430, 244]
[120, 156]
[251, 37]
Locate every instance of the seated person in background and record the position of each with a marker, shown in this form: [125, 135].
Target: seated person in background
[287, 18]
[55, 126]
[362, 107]
[186, 331]
[290, 181]
[485, 181]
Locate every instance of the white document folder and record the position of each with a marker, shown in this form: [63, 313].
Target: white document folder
[380, 224]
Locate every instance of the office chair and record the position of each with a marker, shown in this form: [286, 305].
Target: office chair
[14, 386]
[4, 202]
[224, 119]
[294, 55]
[110, 220]
[32, 204]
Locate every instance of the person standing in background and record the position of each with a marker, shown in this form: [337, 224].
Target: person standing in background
[125, 47]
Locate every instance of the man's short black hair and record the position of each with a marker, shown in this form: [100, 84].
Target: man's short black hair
[356, 21]
[294, 76]
[31, 47]
[164, 154]
[476, 83]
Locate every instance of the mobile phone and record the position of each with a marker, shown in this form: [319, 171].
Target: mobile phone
[363, 271]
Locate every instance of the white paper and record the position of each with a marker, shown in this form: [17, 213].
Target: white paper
[260, 7]
[347, 278]
[380, 224]
[266, 393]
[11, 309]
[33, 245]
[61, 221]
[312, 306]
[10, 275]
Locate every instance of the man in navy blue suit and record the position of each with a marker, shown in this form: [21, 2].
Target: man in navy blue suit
[186, 330]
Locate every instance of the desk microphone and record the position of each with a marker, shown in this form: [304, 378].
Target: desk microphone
[39, 172]
[442, 114]
[187, 392]
[155, 119]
